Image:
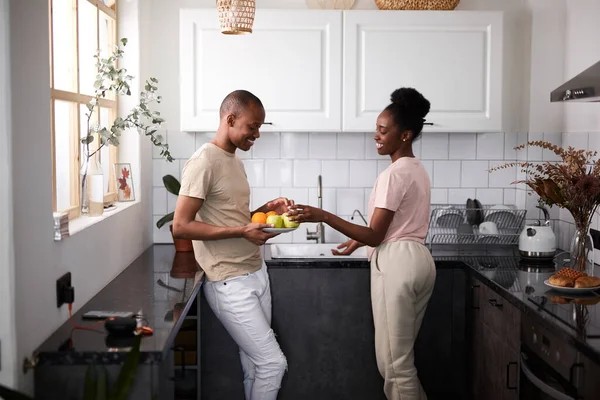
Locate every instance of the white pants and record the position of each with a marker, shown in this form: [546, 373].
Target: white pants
[243, 305]
[402, 279]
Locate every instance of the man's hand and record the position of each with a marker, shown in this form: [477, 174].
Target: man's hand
[254, 233]
[280, 205]
[348, 248]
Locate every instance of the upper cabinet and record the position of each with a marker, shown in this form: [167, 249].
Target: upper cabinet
[291, 61]
[328, 70]
[453, 58]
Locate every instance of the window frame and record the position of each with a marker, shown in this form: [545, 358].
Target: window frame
[75, 147]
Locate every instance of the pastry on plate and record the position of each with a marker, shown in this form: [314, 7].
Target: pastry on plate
[561, 280]
[570, 273]
[587, 282]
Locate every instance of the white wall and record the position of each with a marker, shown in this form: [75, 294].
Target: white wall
[95, 255]
[8, 370]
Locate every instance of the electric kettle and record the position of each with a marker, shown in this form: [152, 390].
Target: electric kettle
[538, 241]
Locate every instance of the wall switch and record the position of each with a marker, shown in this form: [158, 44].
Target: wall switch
[595, 234]
[62, 285]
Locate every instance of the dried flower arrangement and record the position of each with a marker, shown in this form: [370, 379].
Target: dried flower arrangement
[573, 183]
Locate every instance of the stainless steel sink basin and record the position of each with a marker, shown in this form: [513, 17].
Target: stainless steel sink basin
[313, 250]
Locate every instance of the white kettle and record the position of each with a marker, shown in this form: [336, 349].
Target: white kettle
[538, 241]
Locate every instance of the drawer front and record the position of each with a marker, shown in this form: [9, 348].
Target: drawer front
[501, 317]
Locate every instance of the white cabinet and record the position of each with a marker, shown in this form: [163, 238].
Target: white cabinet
[454, 58]
[291, 61]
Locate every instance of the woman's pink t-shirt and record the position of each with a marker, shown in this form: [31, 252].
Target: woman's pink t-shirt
[404, 188]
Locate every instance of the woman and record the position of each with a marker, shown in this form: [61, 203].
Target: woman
[402, 269]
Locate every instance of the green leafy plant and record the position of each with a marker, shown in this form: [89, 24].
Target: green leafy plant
[173, 186]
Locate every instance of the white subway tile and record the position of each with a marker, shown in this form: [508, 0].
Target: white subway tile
[594, 145]
[556, 139]
[161, 168]
[439, 196]
[267, 145]
[322, 145]
[554, 212]
[434, 146]
[502, 178]
[382, 165]
[566, 216]
[521, 199]
[306, 172]
[463, 146]
[534, 153]
[510, 196]
[283, 238]
[278, 173]
[335, 173]
[334, 237]
[181, 144]
[349, 200]
[329, 198]
[244, 155]
[446, 174]
[255, 170]
[474, 174]
[510, 142]
[350, 146]
[428, 165]
[490, 196]
[159, 201]
[300, 196]
[363, 173]
[578, 140]
[162, 235]
[299, 235]
[370, 149]
[156, 150]
[204, 137]
[171, 202]
[531, 202]
[261, 196]
[522, 138]
[490, 146]
[294, 145]
[460, 196]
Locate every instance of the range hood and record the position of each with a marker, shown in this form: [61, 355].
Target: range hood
[584, 87]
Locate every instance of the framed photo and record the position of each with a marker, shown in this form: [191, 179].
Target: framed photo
[124, 182]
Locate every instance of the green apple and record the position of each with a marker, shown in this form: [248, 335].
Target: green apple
[288, 223]
[275, 220]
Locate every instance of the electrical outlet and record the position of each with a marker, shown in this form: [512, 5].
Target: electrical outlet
[62, 284]
[595, 238]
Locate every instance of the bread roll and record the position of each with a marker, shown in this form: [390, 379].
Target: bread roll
[561, 280]
[587, 282]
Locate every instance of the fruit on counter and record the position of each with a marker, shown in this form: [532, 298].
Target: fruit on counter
[275, 220]
[271, 213]
[259, 218]
[288, 223]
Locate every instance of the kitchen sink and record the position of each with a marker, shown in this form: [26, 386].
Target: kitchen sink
[313, 250]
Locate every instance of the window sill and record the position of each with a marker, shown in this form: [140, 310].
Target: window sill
[79, 224]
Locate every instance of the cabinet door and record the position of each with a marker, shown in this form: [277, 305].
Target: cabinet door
[291, 61]
[453, 58]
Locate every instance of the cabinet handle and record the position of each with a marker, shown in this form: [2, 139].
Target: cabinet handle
[473, 287]
[508, 386]
[182, 350]
[572, 372]
[494, 303]
[428, 123]
[267, 123]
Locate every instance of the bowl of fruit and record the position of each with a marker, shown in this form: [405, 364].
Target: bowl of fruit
[281, 223]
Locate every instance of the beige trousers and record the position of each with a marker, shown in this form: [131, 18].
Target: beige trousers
[402, 279]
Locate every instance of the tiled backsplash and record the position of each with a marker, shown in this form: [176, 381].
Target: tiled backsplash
[287, 164]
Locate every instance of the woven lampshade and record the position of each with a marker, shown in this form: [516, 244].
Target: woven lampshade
[236, 16]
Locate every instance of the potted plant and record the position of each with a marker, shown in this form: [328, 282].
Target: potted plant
[173, 186]
[115, 80]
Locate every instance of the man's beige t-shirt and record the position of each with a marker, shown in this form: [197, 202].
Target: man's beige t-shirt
[219, 178]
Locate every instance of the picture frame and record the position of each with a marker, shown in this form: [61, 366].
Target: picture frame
[124, 182]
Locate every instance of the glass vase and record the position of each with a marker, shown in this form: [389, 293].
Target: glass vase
[582, 250]
[92, 186]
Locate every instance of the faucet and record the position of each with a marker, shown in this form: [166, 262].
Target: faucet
[319, 234]
[361, 216]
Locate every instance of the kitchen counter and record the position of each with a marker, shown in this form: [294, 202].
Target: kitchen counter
[575, 320]
[159, 285]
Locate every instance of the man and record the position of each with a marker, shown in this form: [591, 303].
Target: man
[213, 210]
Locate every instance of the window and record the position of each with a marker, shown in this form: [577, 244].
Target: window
[78, 28]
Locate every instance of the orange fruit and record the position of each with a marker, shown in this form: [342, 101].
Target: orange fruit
[259, 218]
[271, 213]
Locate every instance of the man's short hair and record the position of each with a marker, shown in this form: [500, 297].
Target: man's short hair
[238, 101]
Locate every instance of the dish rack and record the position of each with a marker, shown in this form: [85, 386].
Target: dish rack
[446, 219]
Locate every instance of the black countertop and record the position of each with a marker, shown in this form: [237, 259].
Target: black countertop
[158, 285]
[576, 320]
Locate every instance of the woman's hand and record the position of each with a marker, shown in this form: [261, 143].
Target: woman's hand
[280, 205]
[346, 248]
[303, 213]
